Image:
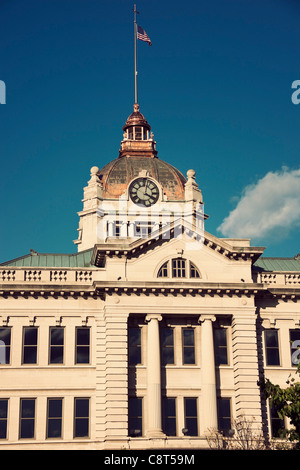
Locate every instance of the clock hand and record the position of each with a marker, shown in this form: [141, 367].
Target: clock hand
[145, 187]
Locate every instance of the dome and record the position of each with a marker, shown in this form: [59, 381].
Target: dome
[138, 154]
[117, 174]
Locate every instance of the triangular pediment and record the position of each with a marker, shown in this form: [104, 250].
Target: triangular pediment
[179, 229]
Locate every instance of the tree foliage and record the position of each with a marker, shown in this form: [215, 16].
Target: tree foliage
[287, 403]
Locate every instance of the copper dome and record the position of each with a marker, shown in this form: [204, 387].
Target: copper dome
[138, 153]
[117, 174]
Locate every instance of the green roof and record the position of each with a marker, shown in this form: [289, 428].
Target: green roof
[277, 264]
[48, 260]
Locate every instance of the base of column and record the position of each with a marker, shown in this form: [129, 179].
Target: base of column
[155, 434]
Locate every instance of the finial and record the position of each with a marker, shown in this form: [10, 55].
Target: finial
[136, 107]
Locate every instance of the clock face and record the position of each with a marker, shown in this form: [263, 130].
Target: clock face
[144, 191]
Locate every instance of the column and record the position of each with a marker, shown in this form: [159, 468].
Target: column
[154, 427]
[208, 387]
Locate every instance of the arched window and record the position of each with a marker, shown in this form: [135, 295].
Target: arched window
[179, 268]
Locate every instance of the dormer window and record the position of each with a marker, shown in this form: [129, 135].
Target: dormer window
[179, 268]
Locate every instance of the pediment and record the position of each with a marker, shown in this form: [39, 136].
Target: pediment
[132, 248]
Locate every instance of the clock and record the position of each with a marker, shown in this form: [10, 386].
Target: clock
[143, 191]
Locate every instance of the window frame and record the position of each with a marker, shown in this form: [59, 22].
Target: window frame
[4, 419]
[138, 417]
[6, 347]
[50, 418]
[25, 346]
[188, 346]
[76, 418]
[221, 418]
[220, 347]
[31, 418]
[169, 419]
[52, 328]
[191, 417]
[77, 328]
[272, 348]
[167, 347]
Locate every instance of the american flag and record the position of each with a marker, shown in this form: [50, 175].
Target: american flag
[143, 36]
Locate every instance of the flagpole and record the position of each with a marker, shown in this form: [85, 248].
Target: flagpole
[135, 57]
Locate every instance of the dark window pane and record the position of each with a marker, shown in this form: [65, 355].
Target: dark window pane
[82, 427]
[271, 338]
[27, 429]
[3, 408]
[30, 336]
[169, 407]
[57, 355]
[57, 336]
[28, 409]
[82, 345]
[27, 419]
[224, 414]
[54, 428]
[191, 420]
[5, 338]
[55, 408]
[272, 348]
[3, 418]
[134, 343]
[83, 336]
[3, 429]
[167, 346]
[220, 343]
[30, 355]
[82, 414]
[277, 424]
[135, 422]
[188, 346]
[82, 408]
[30, 345]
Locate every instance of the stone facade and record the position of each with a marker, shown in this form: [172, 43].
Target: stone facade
[153, 333]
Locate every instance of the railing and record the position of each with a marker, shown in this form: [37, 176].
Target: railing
[44, 275]
[286, 279]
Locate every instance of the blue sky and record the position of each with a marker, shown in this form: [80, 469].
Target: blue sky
[215, 86]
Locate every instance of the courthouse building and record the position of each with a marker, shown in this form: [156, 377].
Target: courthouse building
[154, 331]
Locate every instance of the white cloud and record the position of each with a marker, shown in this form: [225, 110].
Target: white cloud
[270, 206]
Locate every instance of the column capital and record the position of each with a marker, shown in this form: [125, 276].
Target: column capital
[205, 317]
[153, 316]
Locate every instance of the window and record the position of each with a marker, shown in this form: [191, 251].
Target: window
[134, 346]
[135, 417]
[56, 346]
[194, 273]
[138, 133]
[27, 418]
[81, 417]
[54, 418]
[295, 346]
[224, 414]
[163, 271]
[190, 417]
[178, 267]
[30, 338]
[5, 339]
[169, 416]
[142, 229]
[272, 348]
[82, 345]
[220, 343]
[167, 342]
[3, 418]
[188, 341]
[277, 424]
